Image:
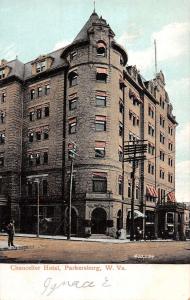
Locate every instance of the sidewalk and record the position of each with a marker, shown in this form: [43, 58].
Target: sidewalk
[4, 246]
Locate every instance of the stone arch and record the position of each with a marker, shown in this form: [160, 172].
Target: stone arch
[98, 221]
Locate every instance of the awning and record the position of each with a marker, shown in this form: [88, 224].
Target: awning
[101, 93]
[72, 120]
[151, 191]
[134, 96]
[137, 214]
[171, 197]
[101, 45]
[102, 71]
[100, 174]
[72, 96]
[99, 144]
[100, 118]
[122, 82]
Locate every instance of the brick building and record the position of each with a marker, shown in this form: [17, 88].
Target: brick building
[86, 93]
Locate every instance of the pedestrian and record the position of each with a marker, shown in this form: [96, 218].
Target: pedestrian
[11, 232]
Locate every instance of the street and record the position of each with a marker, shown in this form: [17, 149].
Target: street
[41, 250]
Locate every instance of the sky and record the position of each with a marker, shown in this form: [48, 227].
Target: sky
[31, 28]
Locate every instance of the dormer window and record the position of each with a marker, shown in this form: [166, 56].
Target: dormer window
[73, 54]
[2, 73]
[101, 49]
[41, 66]
[73, 76]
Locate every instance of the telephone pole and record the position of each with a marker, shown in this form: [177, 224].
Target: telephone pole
[134, 152]
[72, 149]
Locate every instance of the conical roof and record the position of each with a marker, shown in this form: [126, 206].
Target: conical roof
[83, 34]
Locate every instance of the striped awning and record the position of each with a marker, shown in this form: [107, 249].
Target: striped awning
[102, 71]
[151, 191]
[101, 45]
[134, 96]
[171, 197]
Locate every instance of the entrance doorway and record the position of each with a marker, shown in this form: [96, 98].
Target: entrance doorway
[98, 219]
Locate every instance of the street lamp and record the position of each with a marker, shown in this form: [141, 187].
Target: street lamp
[38, 206]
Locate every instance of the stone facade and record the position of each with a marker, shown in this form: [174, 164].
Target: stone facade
[87, 94]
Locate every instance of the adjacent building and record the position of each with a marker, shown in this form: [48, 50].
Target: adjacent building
[84, 93]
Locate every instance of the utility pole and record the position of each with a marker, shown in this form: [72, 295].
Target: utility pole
[134, 150]
[72, 148]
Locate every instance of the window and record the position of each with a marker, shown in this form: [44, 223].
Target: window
[151, 111]
[162, 121]
[39, 91]
[129, 189]
[2, 138]
[100, 123]
[46, 133]
[101, 49]
[120, 152]
[73, 54]
[44, 187]
[137, 192]
[150, 168]
[47, 89]
[170, 146]
[151, 149]
[30, 159]
[32, 94]
[170, 177]
[130, 115]
[162, 138]
[162, 103]
[121, 61]
[137, 121]
[31, 116]
[162, 173]
[38, 135]
[120, 129]
[101, 99]
[31, 136]
[162, 155]
[37, 158]
[150, 130]
[3, 97]
[73, 78]
[45, 158]
[99, 183]
[72, 125]
[2, 117]
[120, 185]
[121, 106]
[46, 111]
[41, 66]
[1, 159]
[170, 130]
[73, 101]
[134, 120]
[39, 113]
[72, 104]
[100, 149]
[2, 73]
[101, 74]
[170, 161]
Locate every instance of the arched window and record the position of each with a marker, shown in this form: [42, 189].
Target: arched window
[101, 48]
[73, 76]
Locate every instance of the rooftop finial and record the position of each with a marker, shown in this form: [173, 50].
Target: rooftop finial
[94, 6]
